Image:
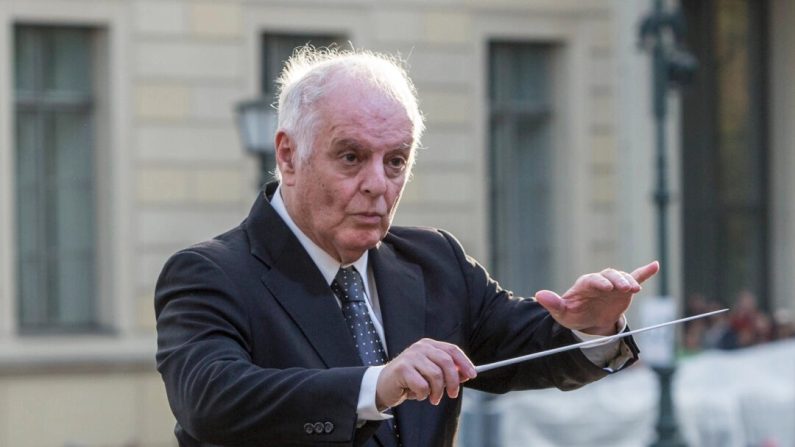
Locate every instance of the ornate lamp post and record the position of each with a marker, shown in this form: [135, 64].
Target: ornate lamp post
[256, 122]
[662, 33]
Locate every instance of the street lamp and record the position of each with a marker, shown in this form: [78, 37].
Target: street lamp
[662, 34]
[257, 121]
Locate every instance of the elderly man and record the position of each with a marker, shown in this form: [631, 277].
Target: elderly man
[315, 322]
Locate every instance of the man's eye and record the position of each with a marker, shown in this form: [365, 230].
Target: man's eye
[397, 162]
[350, 158]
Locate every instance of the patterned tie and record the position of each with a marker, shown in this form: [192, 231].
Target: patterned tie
[349, 288]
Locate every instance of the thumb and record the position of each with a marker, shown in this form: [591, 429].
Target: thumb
[551, 301]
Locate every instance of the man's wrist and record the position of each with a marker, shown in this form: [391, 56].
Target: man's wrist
[606, 331]
[367, 409]
[593, 332]
[607, 355]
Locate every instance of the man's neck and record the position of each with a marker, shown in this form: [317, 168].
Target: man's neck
[326, 263]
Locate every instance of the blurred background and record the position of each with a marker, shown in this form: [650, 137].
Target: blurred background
[563, 136]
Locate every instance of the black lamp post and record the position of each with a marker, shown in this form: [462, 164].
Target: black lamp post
[257, 122]
[672, 66]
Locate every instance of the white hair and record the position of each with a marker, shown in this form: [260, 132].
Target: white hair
[311, 73]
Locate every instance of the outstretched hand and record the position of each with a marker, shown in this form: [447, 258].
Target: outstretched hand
[596, 301]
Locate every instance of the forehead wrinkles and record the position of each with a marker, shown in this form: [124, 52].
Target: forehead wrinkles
[377, 121]
[375, 137]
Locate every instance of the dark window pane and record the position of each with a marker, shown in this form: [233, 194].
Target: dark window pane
[532, 83]
[55, 179]
[521, 165]
[68, 52]
[25, 61]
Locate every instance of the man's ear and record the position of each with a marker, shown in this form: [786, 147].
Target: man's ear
[286, 156]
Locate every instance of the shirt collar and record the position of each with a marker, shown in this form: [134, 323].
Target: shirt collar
[327, 265]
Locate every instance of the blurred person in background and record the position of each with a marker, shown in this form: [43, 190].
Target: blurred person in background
[745, 325]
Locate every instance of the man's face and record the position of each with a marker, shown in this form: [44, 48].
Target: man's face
[345, 194]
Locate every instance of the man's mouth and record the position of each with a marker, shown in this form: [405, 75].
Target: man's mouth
[369, 218]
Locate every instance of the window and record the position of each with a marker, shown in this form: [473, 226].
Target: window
[54, 172]
[521, 164]
[725, 153]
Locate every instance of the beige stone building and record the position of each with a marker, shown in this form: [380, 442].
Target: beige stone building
[118, 146]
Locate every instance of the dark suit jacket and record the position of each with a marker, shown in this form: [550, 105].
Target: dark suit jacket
[254, 350]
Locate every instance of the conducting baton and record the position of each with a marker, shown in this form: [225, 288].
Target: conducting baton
[596, 342]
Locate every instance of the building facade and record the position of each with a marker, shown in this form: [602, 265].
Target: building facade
[118, 147]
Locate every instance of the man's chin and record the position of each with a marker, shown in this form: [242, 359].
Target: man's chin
[361, 242]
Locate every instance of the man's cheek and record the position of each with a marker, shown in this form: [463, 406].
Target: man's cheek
[328, 196]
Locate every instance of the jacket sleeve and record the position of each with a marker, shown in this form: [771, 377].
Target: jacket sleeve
[216, 392]
[503, 326]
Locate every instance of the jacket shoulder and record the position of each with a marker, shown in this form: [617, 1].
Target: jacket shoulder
[221, 247]
[226, 252]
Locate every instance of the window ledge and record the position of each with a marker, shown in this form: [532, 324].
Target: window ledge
[77, 354]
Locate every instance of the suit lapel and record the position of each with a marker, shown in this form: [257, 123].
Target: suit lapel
[297, 284]
[401, 294]
[302, 291]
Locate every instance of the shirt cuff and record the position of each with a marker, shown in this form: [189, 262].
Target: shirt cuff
[366, 410]
[608, 356]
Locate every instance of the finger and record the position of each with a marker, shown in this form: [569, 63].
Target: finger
[434, 376]
[441, 374]
[415, 384]
[617, 279]
[464, 366]
[453, 363]
[641, 274]
[452, 378]
[450, 383]
[551, 301]
[596, 281]
[632, 282]
[430, 359]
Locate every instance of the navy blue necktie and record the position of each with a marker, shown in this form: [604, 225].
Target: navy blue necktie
[349, 288]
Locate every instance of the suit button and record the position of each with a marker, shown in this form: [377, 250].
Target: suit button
[309, 428]
[318, 427]
[329, 427]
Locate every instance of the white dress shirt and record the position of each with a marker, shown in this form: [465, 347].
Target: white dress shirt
[606, 356]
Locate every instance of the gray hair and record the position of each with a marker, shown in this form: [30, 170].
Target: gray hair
[311, 73]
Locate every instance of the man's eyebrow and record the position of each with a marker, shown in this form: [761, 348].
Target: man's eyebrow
[405, 146]
[350, 143]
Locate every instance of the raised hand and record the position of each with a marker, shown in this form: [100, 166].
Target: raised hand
[596, 301]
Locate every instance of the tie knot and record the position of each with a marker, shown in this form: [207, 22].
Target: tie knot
[349, 285]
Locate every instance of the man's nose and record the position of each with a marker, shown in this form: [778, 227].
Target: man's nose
[374, 181]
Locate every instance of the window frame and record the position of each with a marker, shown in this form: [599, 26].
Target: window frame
[47, 106]
[505, 116]
[118, 307]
